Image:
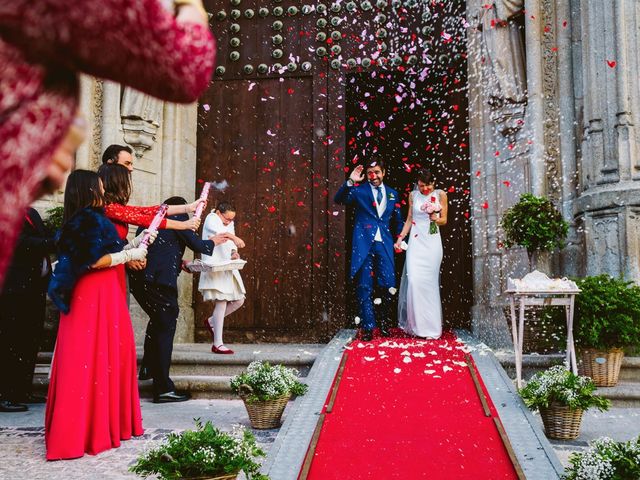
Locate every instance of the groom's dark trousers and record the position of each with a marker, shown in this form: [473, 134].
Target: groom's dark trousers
[377, 270]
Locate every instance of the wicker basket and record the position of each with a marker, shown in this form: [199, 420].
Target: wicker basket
[266, 414]
[560, 422]
[602, 367]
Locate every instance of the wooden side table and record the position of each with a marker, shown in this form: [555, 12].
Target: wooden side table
[540, 298]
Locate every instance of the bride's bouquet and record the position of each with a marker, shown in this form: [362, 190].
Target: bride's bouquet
[429, 207]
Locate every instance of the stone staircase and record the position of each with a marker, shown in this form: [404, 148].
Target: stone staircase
[625, 394]
[206, 375]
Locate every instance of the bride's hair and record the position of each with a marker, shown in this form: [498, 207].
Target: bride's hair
[425, 176]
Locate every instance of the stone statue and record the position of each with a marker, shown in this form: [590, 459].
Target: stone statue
[504, 58]
[141, 116]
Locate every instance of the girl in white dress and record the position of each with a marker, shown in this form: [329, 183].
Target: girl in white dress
[419, 305]
[224, 288]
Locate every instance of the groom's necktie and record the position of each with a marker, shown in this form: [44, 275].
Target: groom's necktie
[379, 195]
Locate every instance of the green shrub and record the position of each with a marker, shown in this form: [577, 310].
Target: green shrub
[205, 451]
[535, 224]
[606, 459]
[262, 382]
[561, 386]
[607, 313]
[53, 220]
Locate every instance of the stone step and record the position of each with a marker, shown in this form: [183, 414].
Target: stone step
[194, 368]
[625, 394]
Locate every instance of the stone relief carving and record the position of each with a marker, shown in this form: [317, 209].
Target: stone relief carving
[95, 149]
[551, 107]
[504, 53]
[141, 116]
[604, 254]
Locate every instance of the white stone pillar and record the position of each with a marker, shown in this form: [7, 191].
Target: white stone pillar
[535, 97]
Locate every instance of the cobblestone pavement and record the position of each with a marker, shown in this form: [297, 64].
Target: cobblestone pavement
[22, 452]
[22, 438]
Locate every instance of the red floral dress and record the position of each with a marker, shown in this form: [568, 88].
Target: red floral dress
[45, 44]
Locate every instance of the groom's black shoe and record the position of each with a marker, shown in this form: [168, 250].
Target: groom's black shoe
[173, 396]
[367, 335]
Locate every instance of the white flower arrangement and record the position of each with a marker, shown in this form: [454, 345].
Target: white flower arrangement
[606, 459]
[559, 385]
[263, 381]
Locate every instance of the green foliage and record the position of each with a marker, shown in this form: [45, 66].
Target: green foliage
[561, 386]
[534, 223]
[262, 382]
[607, 313]
[606, 459]
[205, 451]
[53, 220]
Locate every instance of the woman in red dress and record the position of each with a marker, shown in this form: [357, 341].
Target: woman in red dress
[93, 401]
[46, 44]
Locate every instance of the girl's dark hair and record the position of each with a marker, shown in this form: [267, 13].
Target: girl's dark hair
[225, 206]
[82, 191]
[175, 201]
[117, 183]
[425, 176]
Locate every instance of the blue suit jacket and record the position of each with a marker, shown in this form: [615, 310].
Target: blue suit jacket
[164, 257]
[367, 221]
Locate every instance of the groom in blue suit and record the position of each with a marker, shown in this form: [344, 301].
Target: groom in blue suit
[376, 207]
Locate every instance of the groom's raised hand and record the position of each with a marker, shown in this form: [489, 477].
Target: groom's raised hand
[358, 174]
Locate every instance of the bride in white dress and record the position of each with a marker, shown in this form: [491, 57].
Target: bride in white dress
[419, 305]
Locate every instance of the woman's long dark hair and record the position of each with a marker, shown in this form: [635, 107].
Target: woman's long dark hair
[425, 176]
[117, 183]
[82, 191]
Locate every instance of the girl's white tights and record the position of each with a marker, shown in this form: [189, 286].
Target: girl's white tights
[221, 309]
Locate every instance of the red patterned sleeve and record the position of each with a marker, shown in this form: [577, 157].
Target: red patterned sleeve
[139, 216]
[136, 42]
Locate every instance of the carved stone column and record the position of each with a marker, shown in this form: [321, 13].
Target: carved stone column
[609, 193]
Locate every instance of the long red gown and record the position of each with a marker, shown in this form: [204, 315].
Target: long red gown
[93, 401]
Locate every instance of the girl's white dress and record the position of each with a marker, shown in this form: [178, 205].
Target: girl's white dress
[419, 305]
[226, 285]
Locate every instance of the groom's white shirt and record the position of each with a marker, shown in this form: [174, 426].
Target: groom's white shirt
[381, 208]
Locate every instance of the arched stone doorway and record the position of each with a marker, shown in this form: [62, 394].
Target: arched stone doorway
[276, 125]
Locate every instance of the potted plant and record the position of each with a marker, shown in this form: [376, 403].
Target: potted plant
[535, 224]
[265, 390]
[203, 453]
[606, 320]
[562, 397]
[606, 459]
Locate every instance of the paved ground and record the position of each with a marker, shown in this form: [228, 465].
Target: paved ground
[620, 423]
[22, 440]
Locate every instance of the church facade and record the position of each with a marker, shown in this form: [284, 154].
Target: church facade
[497, 97]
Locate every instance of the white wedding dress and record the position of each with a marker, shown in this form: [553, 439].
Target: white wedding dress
[419, 305]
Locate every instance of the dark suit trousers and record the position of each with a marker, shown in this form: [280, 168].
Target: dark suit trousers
[160, 302]
[21, 325]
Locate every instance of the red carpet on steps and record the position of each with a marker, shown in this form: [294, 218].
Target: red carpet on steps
[407, 408]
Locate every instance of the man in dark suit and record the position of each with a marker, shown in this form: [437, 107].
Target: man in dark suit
[156, 290]
[376, 207]
[22, 313]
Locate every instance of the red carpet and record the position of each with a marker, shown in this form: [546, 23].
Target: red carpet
[408, 408]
